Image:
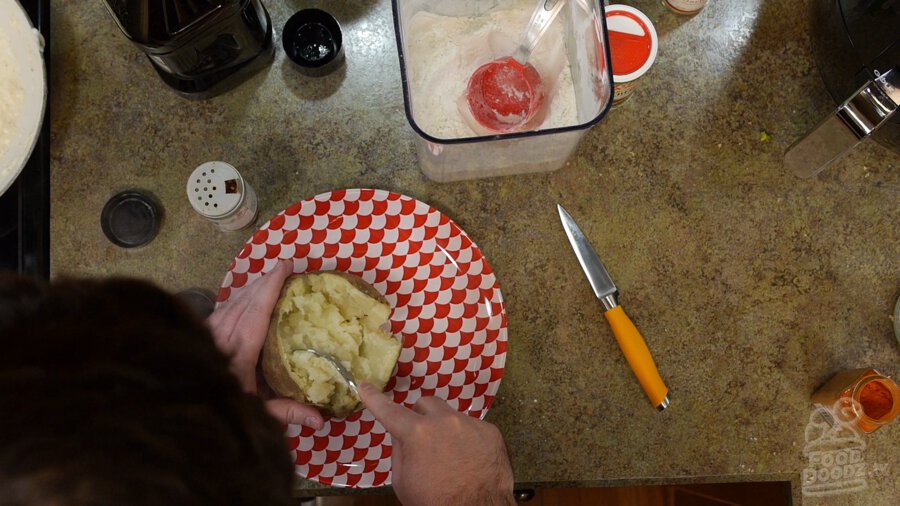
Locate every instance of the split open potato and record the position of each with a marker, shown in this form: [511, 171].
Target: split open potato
[333, 313]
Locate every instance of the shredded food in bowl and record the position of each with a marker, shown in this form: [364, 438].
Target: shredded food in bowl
[23, 90]
[12, 93]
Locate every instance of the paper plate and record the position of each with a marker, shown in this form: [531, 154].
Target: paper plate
[446, 308]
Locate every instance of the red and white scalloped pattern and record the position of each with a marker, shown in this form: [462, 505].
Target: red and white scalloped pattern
[446, 308]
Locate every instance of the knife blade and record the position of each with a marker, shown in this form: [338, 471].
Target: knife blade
[627, 335]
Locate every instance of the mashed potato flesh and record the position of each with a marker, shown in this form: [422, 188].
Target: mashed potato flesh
[327, 313]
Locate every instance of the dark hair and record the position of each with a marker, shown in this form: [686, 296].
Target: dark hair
[112, 392]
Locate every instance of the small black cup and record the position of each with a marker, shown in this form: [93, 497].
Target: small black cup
[131, 218]
[312, 39]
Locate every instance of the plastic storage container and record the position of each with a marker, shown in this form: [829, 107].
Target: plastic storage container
[582, 26]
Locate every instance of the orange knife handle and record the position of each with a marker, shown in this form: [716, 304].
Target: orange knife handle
[638, 356]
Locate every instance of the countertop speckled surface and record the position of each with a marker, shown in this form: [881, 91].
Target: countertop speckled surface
[751, 286]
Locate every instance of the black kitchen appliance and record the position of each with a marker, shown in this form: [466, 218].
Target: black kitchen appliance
[25, 206]
[200, 48]
[857, 49]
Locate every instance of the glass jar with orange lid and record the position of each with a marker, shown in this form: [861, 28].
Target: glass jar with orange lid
[862, 398]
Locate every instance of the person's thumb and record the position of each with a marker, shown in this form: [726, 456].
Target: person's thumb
[291, 411]
[396, 419]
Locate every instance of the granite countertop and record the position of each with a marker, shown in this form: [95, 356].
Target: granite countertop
[751, 286]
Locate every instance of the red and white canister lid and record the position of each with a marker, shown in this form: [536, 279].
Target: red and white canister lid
[633, 45]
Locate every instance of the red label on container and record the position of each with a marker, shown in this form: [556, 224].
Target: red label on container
[630, 42]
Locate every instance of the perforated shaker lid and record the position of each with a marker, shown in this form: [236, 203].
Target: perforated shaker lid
[215, 189]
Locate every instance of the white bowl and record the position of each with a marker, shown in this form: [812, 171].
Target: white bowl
[27, 47]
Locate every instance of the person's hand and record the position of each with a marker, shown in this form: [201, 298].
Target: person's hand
[441, 456]
[239, 329]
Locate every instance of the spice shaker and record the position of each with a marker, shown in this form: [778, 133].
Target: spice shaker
[217, 192]
[861, 398]
[688, 7]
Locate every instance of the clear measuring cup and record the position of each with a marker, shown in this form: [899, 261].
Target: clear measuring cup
[504, 95]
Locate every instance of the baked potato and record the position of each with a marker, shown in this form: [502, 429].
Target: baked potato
[333, 313]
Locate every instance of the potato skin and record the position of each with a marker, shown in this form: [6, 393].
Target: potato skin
[275, 366]
[274, 359]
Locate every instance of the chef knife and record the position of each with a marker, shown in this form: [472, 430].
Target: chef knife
[630, 341]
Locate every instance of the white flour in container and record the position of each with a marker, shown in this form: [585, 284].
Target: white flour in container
[442, 52]
[12, 93]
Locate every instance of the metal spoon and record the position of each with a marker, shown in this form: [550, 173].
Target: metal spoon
[348, 377]
[544, 13]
